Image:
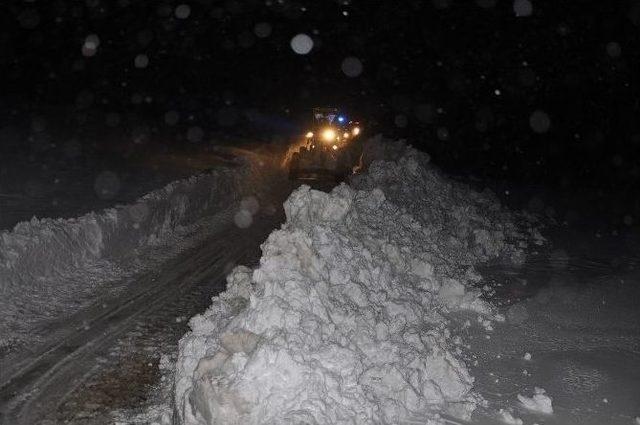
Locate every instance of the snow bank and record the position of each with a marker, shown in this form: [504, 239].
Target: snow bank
[46, 264]
[345, 319]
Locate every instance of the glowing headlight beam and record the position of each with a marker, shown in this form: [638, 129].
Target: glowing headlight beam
[328, 135]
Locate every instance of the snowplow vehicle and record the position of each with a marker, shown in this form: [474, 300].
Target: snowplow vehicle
[330, 150]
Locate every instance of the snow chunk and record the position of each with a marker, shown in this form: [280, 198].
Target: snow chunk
[238, 284]
[459, 297]
[540, 402]
[508, 418]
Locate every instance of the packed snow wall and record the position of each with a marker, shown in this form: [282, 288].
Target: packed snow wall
[47, 264]
[346, 318]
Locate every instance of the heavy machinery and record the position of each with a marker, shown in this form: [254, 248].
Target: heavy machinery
[330, 150]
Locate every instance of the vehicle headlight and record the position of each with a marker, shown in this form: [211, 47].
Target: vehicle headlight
[310, 135]
[356, 131]
[328, 135]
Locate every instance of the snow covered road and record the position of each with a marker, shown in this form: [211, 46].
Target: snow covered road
[176, 290]
[43, 385]
[84, 297]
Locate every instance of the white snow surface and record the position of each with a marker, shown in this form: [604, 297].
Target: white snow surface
[345, 319]
[46, 265]
[539, 402]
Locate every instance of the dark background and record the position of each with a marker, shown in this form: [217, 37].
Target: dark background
[470, 82]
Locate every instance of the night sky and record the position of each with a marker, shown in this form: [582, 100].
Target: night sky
[531, 91]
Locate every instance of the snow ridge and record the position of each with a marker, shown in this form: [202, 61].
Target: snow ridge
[46, 264]
[345, 319]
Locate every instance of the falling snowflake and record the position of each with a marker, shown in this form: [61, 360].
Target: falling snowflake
[540, 121]
[351, 66]
[401, 121]
[90, 45]
[141, 61]
[195, 134]
[613, 49]
[523, 8]
[262, 30]
[171, 118]
[302, 44]
[183, 11]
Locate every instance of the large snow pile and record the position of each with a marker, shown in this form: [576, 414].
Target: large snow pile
[48, 265]
[345, 319]
[469, 226]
